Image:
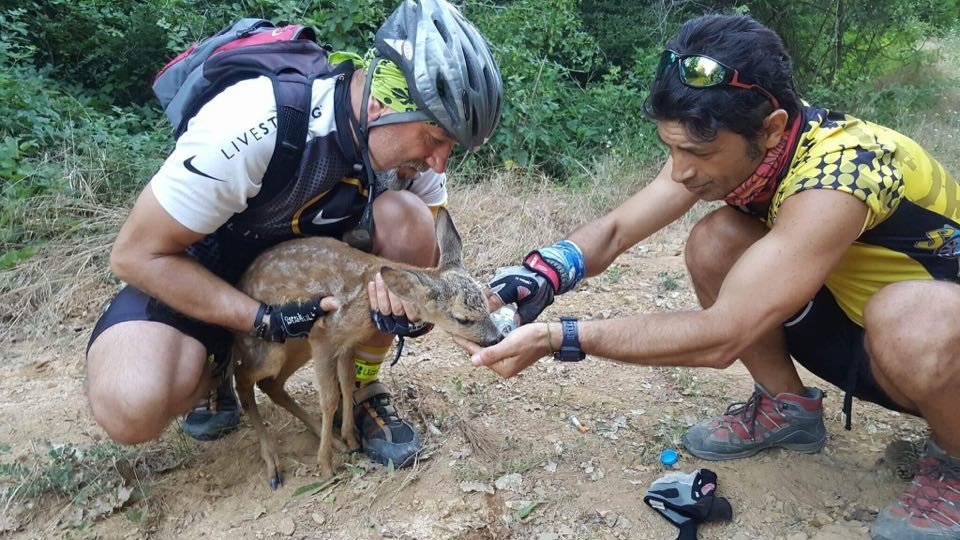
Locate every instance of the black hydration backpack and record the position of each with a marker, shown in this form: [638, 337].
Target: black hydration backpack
[250, 48]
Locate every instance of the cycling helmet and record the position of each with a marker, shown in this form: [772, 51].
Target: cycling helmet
[452, 75]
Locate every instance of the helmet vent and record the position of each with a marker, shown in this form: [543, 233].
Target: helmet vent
[441, 88]
[442, 30]
[474, 126]
[472, 79]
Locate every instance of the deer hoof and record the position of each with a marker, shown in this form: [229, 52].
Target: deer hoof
[275, 482]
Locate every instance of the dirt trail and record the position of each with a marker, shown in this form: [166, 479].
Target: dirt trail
[495, 448]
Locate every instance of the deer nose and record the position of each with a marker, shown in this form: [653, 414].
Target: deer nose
[493, 341]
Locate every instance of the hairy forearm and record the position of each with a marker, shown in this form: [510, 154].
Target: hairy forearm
[693, 338]
[652, 208]
[599, 243]
[186, 286]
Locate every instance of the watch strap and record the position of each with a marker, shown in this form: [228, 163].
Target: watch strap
[570, 345]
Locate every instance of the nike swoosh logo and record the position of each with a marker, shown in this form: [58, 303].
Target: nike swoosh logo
[320, 220]
[188, 164]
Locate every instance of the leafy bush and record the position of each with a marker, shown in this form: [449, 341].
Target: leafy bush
[562, 105]
[76, 73]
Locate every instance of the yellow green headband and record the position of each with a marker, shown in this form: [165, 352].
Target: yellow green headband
[389, 85]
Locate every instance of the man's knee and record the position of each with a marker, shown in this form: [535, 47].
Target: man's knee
[139, 375]
[404, 229]
[718, 240]
[128, 417]
[912, 334]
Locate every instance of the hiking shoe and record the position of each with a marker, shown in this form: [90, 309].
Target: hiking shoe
[383, 435]
[216, 415]
[790, 421]
[929, 509]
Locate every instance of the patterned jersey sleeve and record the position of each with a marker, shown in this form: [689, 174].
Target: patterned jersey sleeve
[854, 161]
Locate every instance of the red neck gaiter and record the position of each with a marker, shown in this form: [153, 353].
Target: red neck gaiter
[761, 185]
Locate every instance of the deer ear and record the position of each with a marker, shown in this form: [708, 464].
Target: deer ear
[409, 284]
[449, 240]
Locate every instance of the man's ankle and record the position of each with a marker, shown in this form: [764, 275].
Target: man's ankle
[779, 387]
[368, 360]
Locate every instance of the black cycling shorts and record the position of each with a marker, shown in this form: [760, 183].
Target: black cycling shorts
[825, 341]
[132, 304]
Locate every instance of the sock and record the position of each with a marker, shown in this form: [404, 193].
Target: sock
[368, 360]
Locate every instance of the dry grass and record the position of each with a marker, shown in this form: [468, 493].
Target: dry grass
[68, 277]
[483, 441]
[938, 130]
[507, 215]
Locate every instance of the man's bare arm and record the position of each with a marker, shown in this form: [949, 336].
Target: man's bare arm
[149, 254]
[655, 206]
[772, 280]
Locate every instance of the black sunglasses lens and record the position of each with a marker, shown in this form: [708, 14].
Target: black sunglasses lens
[666, 58]
[702, 72]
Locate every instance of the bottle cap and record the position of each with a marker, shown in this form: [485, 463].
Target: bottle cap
[669, 457]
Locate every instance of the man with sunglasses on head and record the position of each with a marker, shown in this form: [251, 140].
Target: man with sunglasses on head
[838, 245]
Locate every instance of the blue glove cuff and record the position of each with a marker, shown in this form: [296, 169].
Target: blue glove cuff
[566, 258]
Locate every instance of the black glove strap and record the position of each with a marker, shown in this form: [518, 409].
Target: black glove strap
[259, 324]
[688, 531]
[399, 325]
[570, 346]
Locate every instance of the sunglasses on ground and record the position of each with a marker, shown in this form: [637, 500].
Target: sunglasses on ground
[700, 71]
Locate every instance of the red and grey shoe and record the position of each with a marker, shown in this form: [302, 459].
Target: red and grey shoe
[790, 421]
[929, 509]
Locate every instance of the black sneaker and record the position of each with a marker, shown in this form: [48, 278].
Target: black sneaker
[217, 414]
[384, 436]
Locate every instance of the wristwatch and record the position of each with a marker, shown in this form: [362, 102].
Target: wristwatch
[570, 346]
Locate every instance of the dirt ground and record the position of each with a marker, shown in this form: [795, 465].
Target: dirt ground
[503, 458]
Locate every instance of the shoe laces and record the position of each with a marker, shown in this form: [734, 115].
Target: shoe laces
[385, 410]
[208, 403]
[745, 412]
[939, 476]
[946, 471]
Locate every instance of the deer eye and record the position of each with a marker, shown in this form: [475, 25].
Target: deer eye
[461, 320]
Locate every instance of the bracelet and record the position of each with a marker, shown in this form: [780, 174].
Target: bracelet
[549, 340]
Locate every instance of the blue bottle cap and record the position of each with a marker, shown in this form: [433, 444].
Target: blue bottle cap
[669, 457]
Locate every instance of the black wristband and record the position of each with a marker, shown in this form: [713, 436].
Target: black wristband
[259, 322]
[570, 346]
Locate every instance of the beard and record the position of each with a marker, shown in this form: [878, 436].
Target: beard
[400, 178]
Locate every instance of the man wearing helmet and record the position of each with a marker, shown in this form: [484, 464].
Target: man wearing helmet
[380, 135]
[838, 246]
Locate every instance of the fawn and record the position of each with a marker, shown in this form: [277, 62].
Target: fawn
[308, 267]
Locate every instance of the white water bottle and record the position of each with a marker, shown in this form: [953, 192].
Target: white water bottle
[505, 319]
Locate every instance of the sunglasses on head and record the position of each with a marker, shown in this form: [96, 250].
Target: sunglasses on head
[700, 71]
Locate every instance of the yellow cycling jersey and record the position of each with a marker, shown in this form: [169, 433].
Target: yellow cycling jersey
[912, 229]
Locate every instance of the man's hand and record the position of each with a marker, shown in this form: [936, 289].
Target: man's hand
[516, 352]
[519, 285]
[390, 314]
[293, 319]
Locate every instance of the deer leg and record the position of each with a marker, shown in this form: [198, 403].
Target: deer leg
[267, 449]
[325, 370]
[279, 395]
[347, 375]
